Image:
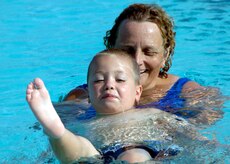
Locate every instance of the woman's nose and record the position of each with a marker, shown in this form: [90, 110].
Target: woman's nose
[138, 57]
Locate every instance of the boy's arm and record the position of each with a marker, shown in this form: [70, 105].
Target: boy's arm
[69, 147]
[66, 145]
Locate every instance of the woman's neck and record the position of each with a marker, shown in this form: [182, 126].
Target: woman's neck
[158, 90]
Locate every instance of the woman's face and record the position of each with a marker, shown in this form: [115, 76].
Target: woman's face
[144, 42]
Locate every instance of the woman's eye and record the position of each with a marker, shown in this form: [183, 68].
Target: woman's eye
[151, 53]
[120, 80]
[129, 50]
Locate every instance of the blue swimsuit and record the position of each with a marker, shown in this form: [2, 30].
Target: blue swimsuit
[172, 101]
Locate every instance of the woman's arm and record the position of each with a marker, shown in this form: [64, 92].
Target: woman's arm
[77, 93]
[208, 101]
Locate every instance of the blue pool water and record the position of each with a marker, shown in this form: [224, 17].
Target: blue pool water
[56, 41]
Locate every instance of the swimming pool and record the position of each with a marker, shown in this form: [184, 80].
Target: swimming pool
[55, 41]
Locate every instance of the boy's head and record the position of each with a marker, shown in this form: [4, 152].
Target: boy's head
[113, 82]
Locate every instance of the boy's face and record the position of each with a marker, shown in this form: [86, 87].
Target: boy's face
[111, 84]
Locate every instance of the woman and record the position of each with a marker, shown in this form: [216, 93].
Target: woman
[146, 32]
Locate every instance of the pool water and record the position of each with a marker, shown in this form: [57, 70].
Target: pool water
[56, 40]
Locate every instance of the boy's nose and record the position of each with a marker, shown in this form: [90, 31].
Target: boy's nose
[109, 85]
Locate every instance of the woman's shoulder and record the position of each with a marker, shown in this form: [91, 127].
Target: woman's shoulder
[172, 78]
[168, 82]
[80, 92]
[188, 84]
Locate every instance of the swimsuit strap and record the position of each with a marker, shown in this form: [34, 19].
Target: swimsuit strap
[172, 100]
[176, 89]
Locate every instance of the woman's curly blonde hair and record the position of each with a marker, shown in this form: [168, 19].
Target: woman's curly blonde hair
[150, 13]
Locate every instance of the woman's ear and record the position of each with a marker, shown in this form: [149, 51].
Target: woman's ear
[138, 94]
[163, 63]
[166, 55]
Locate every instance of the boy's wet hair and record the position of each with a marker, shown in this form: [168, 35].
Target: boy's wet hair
[123, 54]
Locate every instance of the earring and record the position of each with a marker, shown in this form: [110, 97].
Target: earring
[163, 72]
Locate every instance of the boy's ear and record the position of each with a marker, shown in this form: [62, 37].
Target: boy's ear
[138, 94]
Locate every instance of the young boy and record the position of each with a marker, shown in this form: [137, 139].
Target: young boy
[113, 83]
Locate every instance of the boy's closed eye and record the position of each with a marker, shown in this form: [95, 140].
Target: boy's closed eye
[98, 80]
[120, 80]
[121, 77]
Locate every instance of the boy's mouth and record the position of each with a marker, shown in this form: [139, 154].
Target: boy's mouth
[107, 95]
